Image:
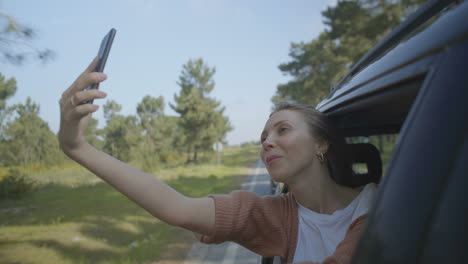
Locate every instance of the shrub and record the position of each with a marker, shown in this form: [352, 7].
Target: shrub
[15, 185]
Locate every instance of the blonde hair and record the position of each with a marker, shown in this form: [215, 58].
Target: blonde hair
[323, 129]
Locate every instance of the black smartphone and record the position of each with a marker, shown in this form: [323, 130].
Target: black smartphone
[103, 53]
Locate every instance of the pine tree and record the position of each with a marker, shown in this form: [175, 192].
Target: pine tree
[353, 27]
[201, 118]
[159, 132]
[7, 90]
[121, 134]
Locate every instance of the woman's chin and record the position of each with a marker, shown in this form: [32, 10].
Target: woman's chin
[277, 177]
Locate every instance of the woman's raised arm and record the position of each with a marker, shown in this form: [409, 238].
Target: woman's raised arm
[159, 199]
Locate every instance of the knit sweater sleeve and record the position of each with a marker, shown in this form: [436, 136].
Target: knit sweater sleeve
[258, 223]
[345, 249]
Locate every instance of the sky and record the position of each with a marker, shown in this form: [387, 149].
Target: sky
[245, 41]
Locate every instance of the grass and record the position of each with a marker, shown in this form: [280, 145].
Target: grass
[73, 217]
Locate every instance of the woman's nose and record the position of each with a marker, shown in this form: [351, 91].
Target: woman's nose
[267, 144]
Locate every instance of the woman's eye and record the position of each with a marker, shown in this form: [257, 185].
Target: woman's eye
[283, 129]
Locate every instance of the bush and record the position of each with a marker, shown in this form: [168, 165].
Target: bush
[15, 185]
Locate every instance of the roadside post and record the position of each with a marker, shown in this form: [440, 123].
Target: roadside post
[218, 147]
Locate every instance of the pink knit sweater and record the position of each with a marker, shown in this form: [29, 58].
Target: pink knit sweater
[268, 226]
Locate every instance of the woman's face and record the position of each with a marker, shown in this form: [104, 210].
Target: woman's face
[288, 148]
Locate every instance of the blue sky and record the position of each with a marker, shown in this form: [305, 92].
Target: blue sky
[244, 40]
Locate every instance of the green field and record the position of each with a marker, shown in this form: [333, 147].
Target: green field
[73, 217]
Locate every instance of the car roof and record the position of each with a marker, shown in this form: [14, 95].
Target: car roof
[377, 94]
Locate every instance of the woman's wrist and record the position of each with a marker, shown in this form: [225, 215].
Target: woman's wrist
[72, 150]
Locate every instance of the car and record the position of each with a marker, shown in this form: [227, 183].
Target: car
[412, 84]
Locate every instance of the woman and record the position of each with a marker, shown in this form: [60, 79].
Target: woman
[319, 220]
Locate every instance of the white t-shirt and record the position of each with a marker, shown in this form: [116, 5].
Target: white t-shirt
[319, 234]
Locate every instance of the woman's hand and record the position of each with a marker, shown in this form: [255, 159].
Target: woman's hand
[74, 116]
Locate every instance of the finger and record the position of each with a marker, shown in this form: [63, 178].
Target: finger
[86, 79]
[90, 68]
[92, 65]
[87, 95]
[86, 109]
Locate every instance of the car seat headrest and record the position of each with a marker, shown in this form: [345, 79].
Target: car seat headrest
[366, 162]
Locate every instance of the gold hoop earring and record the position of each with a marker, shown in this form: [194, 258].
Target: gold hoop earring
[321, 157]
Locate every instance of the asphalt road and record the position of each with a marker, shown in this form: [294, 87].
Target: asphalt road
[228, 252]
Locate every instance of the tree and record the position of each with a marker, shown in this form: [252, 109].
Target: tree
[111, 109]
[353, 27]
[158, 130]
[358, 25]
[150, 108]
[201, 118]
[28, 139]
[314, 67]
[7, 90]
[92, 134]
[15, 41]
[121, 134]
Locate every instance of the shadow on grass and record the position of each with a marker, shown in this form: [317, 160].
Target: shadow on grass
[95, 223]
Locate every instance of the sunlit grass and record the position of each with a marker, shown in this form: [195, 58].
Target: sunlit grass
[73, 217]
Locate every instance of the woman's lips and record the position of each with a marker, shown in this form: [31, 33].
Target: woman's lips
[272, 158]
